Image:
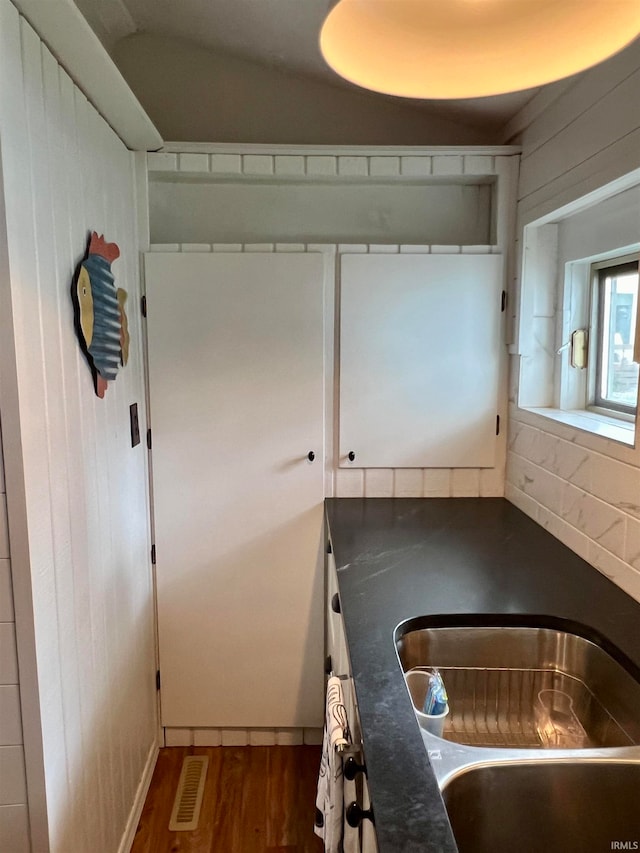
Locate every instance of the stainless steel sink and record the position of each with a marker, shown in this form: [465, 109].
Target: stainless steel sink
[527, 687]
[574, 807]
[541, 746]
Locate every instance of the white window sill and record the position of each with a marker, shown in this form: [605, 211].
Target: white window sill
[593, 422]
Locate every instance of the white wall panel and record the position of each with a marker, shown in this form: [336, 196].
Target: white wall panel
[85, 506]
[420, 356]
[585, 138]
[564, 479]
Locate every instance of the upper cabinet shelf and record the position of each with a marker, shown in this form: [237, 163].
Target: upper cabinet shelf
[354, 196]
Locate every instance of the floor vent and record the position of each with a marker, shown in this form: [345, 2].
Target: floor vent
[186, 806]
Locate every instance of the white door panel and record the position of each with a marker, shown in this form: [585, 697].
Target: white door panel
[420, 353]
[236, 385]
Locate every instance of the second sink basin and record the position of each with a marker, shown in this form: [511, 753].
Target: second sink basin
[556, 807]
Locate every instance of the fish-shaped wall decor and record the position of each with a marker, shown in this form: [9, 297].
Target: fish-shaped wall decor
[101, 319]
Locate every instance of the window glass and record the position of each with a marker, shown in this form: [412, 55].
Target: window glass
[616, 372]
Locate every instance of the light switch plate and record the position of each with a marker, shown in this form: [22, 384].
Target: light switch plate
[134, 423]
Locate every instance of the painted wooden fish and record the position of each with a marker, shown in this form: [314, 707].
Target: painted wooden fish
[101, 316]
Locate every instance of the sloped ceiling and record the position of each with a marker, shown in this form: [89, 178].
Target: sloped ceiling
[277, 35]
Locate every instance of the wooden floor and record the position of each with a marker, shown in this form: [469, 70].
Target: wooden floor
[257, 799]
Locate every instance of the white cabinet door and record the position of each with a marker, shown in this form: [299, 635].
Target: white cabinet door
[236, 385]
[420, 354]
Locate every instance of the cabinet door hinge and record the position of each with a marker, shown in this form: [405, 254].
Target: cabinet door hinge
[143, 306]
[503, 300]
[497, 424]
[157, 679]
[153, 555]
[149, 439]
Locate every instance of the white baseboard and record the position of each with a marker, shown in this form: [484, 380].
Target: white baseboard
[242, 737]
[138, 804]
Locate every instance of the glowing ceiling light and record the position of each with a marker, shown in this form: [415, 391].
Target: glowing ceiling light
[472, 48]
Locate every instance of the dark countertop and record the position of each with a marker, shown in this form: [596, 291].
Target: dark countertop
[400, 558]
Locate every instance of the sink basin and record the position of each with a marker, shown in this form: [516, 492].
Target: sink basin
[540, 750]
[526, 687]
[576, 807]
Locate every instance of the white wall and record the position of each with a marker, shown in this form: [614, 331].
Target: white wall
[78, 503]
[198, 95]
[585, 490]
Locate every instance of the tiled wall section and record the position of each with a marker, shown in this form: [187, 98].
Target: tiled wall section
[383, 482]
[589, 501]
[14, 829]
[325, 165]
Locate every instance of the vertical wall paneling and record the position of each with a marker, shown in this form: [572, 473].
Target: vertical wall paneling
[77, 491]
[582, 488]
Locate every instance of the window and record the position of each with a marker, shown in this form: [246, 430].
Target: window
[577, 333]
[614, 373]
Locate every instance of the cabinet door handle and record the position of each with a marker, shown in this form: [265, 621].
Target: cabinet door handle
[311, 456]
[352, 768]
[335, 603]
[351, 456]
[355, 815]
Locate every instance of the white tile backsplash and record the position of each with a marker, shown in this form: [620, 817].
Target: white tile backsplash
[408, 483]
[491, 483]
[585, 499]
[632, 544]
[349, 483]
[617, 484]
[378, 482]
[436, 482]
[465, 482]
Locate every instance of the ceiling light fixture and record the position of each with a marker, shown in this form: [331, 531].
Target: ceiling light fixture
[472, 48]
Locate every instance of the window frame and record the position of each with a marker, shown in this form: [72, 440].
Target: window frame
[598, 272]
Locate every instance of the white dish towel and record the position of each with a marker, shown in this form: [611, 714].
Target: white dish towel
[330, 798]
